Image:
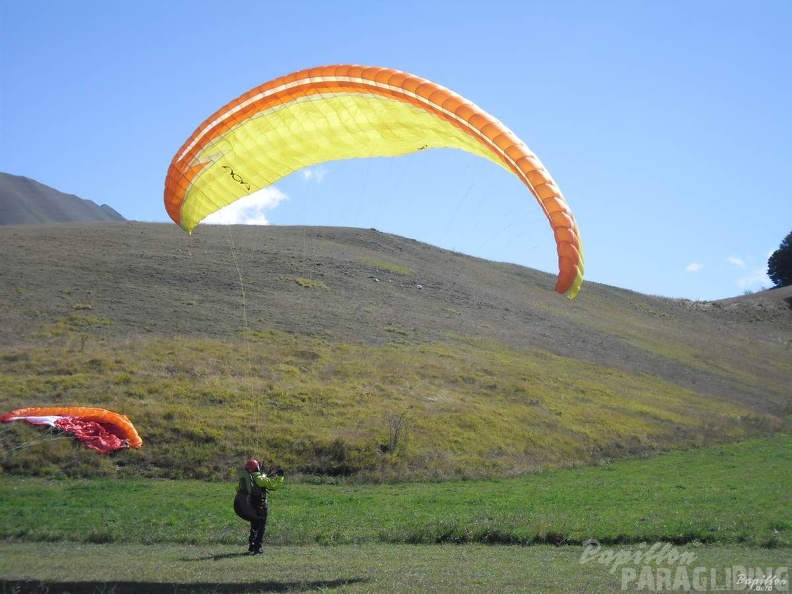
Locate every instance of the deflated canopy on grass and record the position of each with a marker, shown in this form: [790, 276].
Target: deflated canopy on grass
[338, 112]
[99, 429]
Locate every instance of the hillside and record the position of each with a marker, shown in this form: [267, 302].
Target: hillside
[340, 332]
[24, 201]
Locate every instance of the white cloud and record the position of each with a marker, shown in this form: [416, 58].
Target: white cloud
[316, 175]
[736, 261]
[249, 210]
[694, 267]
[757, 279]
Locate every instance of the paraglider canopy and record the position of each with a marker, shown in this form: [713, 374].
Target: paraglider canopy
[99, 429]
[349, 111]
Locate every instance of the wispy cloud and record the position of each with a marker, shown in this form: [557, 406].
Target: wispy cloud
[313, 174]
[249, 210]
[757, 279]
[694, 267]
[753, 277]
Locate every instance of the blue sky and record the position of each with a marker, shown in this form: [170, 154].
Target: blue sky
[667, 124]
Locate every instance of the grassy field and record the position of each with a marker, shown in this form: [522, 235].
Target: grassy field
[446, 423]
[221, 569]
[726, 506]
[466, 408]
[351, 352]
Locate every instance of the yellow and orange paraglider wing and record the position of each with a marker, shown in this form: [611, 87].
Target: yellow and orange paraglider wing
[99, 429]
[346, 111]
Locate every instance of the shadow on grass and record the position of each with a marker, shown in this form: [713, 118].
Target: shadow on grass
[39, 587]
[218, 557]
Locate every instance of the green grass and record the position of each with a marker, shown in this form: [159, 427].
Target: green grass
[731, 494]
[383, 266]
[293, 354]
[472, 407]
[725, 508]
[349, 569]
[310, 283]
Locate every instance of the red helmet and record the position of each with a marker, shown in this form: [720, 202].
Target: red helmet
[252, 465]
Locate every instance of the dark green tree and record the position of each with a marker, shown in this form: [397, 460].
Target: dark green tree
[779, 266]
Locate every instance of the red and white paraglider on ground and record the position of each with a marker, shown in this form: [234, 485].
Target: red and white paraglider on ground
[99, 429]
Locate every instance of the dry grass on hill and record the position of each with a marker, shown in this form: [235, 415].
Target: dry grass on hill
[326, 311]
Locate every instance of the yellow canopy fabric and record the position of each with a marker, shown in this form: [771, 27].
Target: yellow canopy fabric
[347, 111]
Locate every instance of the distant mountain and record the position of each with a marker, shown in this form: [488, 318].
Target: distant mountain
[24, 201]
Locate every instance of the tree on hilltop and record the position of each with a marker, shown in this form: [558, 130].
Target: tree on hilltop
[779, 266]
